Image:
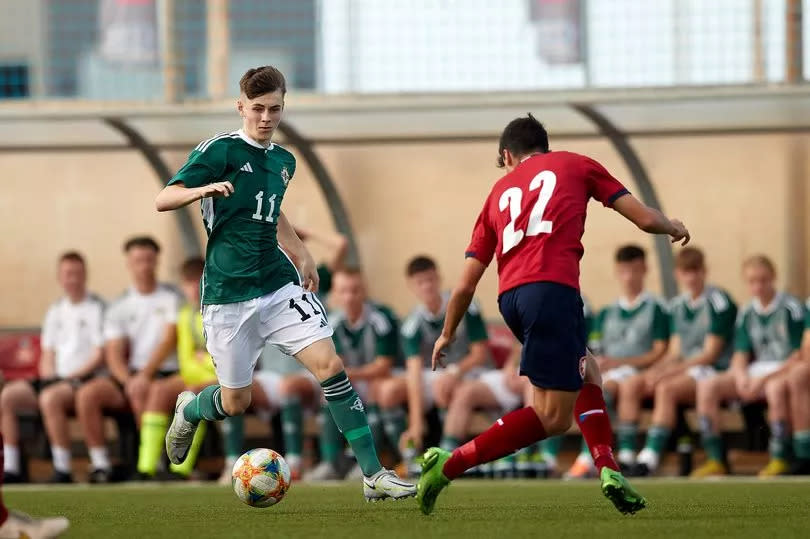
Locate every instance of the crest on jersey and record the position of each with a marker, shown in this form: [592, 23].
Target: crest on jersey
[285, 176]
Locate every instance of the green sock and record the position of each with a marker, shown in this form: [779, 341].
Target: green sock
[394, 424]
[711, 440]
[779, 444]
[233, 430]
[442, 412]
[626, 434]
[153, 429]
[330, 439]
[657, 438]
[187, 466]
[292, 420]
[207, 405]
[375, 424]
[350, 417]
[551, 446]
[801, 444]
[449, 443]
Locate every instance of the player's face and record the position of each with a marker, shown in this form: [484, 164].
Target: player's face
[760, 281]
[142, 263]
[261, 115]
[425, 285]
[191, 290]
[349, 292]
[631, 276]
[72, 277]
[692, 280]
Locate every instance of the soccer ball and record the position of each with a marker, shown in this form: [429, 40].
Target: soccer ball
[261, 478]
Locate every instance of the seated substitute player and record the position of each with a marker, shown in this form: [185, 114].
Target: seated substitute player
[260, 280]
[701, 343]
[72, 352]
[420, 387]
[533, 220]
[367, 340]
[139, 332]
[767, 339]
[628, 336]
[14, 525]
[196, 372]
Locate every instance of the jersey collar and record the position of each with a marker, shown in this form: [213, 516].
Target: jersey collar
[761, 309]
[429, 316]
[243, 136]
[625, 303]
[361, 322]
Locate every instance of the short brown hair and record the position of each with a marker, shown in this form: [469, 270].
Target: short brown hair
[350, 271]
[690, 259]
[192, 268]
[72, 256]
[141, 241]
[630, 253]
[418, 264]
[760, 260]
[262, 80]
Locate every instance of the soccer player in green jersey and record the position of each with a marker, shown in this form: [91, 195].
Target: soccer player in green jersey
[628, 336]
[767, 338]
[702, 327]
[367, 340]
[260, 280]
[422, 388]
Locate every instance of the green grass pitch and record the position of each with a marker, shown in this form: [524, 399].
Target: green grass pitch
[469, 509]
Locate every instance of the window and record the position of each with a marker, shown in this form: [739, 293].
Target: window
[14, 81]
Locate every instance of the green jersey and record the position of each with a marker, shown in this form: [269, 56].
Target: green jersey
[770, 333]
[623, 331]
[375, 334]
[243, 259]
[421, 329]
[713, 313]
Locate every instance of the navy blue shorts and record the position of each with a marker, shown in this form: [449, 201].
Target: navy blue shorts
[548, 320]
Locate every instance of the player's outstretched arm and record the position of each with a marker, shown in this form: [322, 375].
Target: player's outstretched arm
[650, 220]
[299, 253]
[459, 302]
[178, 195]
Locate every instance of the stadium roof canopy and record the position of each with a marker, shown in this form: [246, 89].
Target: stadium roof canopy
[312, 119]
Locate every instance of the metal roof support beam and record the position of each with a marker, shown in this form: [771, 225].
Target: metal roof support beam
[191, 243]
[622, 145]
[340, 216]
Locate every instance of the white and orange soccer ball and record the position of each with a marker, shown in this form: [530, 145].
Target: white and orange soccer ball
[261, 478]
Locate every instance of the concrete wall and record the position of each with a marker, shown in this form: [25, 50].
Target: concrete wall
[738, 194]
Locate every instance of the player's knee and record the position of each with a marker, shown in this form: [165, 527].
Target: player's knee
[799, 379]
[556, 419]
[776, 390]
[387, 394]
[48, 400]
[328, 367]
[663, 392]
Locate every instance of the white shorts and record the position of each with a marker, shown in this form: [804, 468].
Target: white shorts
[619, 374]
[270, 382]
[760, 369]
[236, 333]
[701, 372]
[495, 380]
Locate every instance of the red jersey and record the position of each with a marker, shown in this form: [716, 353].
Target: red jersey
[534, 218]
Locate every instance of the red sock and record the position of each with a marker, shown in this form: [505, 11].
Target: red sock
[513, 431]
[592, 417]
[3, 510]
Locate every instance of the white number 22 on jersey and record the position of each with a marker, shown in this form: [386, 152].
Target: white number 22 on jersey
[546, 181]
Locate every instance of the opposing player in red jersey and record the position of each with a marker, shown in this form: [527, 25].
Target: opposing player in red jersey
[533, 221]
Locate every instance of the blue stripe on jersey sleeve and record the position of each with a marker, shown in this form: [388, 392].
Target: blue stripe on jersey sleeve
[617, 195]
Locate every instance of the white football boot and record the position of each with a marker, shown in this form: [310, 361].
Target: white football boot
[20, 525]
[386, 484]
[181, 432]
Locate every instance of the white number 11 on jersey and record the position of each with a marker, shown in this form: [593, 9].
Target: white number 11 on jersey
[546, 181]
[259, 201]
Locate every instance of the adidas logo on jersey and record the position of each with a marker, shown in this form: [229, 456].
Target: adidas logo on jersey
[247, 168]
